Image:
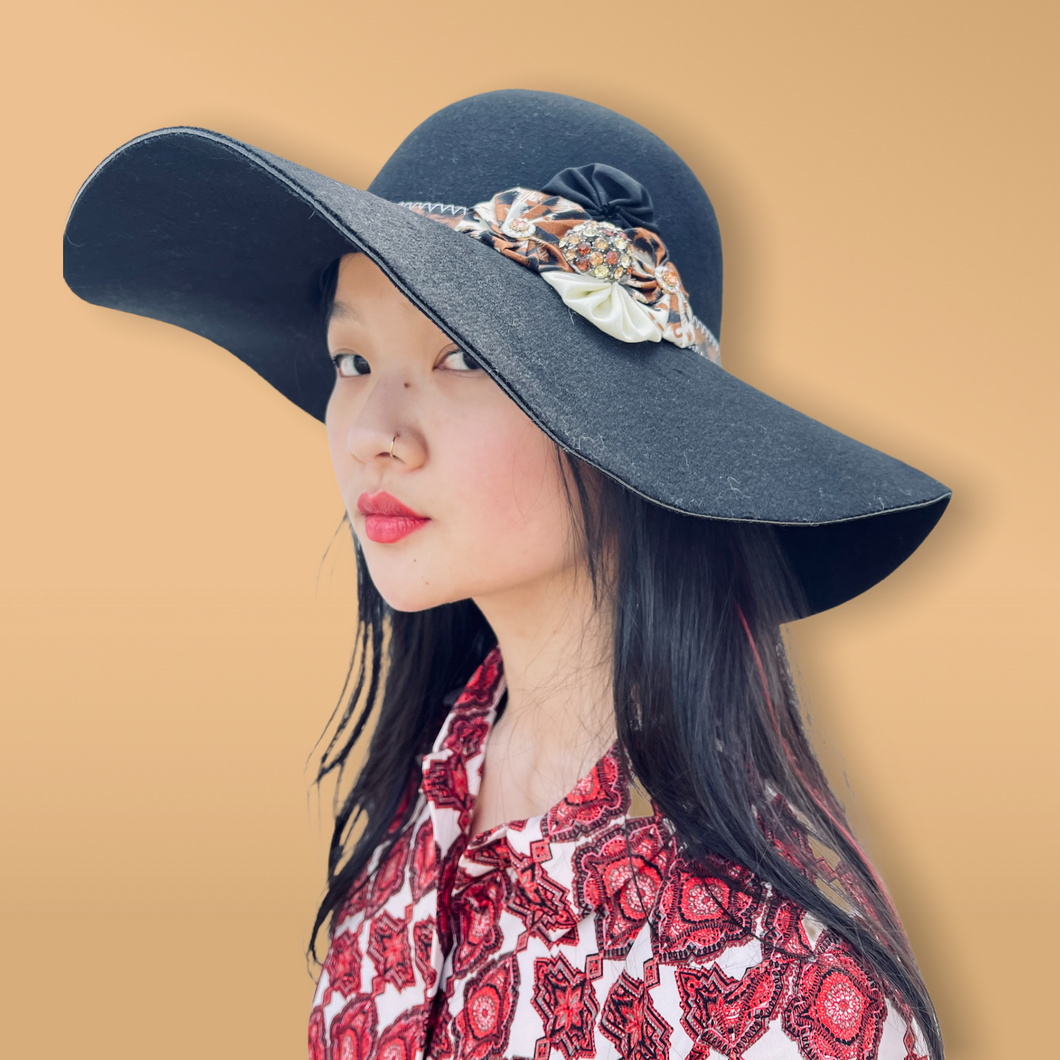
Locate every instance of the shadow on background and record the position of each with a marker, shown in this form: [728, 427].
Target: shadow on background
[885, 182]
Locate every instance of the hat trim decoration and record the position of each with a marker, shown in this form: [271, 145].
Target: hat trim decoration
[196, 229]
[620, 279]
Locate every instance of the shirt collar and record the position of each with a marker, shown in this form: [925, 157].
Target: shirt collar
[593, 814]
[452, 770]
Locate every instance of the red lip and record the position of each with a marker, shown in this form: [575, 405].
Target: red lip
[386, 519]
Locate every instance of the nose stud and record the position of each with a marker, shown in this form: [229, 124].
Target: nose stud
[392, 441]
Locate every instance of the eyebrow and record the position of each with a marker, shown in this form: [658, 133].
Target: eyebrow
[342, 309]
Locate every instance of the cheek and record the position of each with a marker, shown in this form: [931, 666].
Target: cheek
[493, 488]
[339, 417]
[505, 496]
[334, 424]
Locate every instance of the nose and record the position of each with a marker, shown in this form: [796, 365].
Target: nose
[384, 431]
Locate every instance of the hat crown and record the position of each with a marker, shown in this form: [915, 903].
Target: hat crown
[467, 152]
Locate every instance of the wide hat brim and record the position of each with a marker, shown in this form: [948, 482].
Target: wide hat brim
[228, 241]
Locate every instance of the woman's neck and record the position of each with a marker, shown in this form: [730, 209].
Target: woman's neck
[559, 718]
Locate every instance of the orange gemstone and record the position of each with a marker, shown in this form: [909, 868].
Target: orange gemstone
[611, 258]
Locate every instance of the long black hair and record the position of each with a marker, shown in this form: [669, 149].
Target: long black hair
[706, 713]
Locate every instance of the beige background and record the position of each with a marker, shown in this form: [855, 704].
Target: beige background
[886, 179]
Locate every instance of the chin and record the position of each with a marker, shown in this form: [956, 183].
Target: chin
[410, 603]
[400, 595]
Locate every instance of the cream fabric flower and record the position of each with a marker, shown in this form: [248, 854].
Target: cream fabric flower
[606, 304]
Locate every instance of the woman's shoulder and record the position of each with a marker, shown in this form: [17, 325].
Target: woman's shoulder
[748, 973]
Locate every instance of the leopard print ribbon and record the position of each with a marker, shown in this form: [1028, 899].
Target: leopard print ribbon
[620, 279]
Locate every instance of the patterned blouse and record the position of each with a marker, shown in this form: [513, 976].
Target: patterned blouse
[581, 933]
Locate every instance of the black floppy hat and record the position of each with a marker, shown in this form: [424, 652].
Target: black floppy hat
[228, 241]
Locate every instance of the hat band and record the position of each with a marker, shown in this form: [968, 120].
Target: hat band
[620, 279]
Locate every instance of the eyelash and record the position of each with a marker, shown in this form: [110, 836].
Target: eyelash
[353, 358]
[470, 364]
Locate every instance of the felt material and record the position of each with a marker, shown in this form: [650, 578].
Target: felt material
[191, 227]
[472, 149]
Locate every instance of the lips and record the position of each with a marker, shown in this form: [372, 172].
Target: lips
[386, 519]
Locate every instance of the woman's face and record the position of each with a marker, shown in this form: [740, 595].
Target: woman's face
[453, 493]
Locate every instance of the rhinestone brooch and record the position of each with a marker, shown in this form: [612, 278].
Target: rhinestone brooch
[519, 227]
[598, 249]
[667, 277]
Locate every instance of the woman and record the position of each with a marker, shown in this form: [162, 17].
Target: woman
[589, 822]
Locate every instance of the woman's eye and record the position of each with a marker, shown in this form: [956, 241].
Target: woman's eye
[347, 364]
[459, 361]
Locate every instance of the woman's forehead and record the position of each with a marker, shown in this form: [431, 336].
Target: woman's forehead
[370, 314]
[362, 289]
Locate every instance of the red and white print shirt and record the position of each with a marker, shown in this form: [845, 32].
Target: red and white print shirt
[581, 933]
